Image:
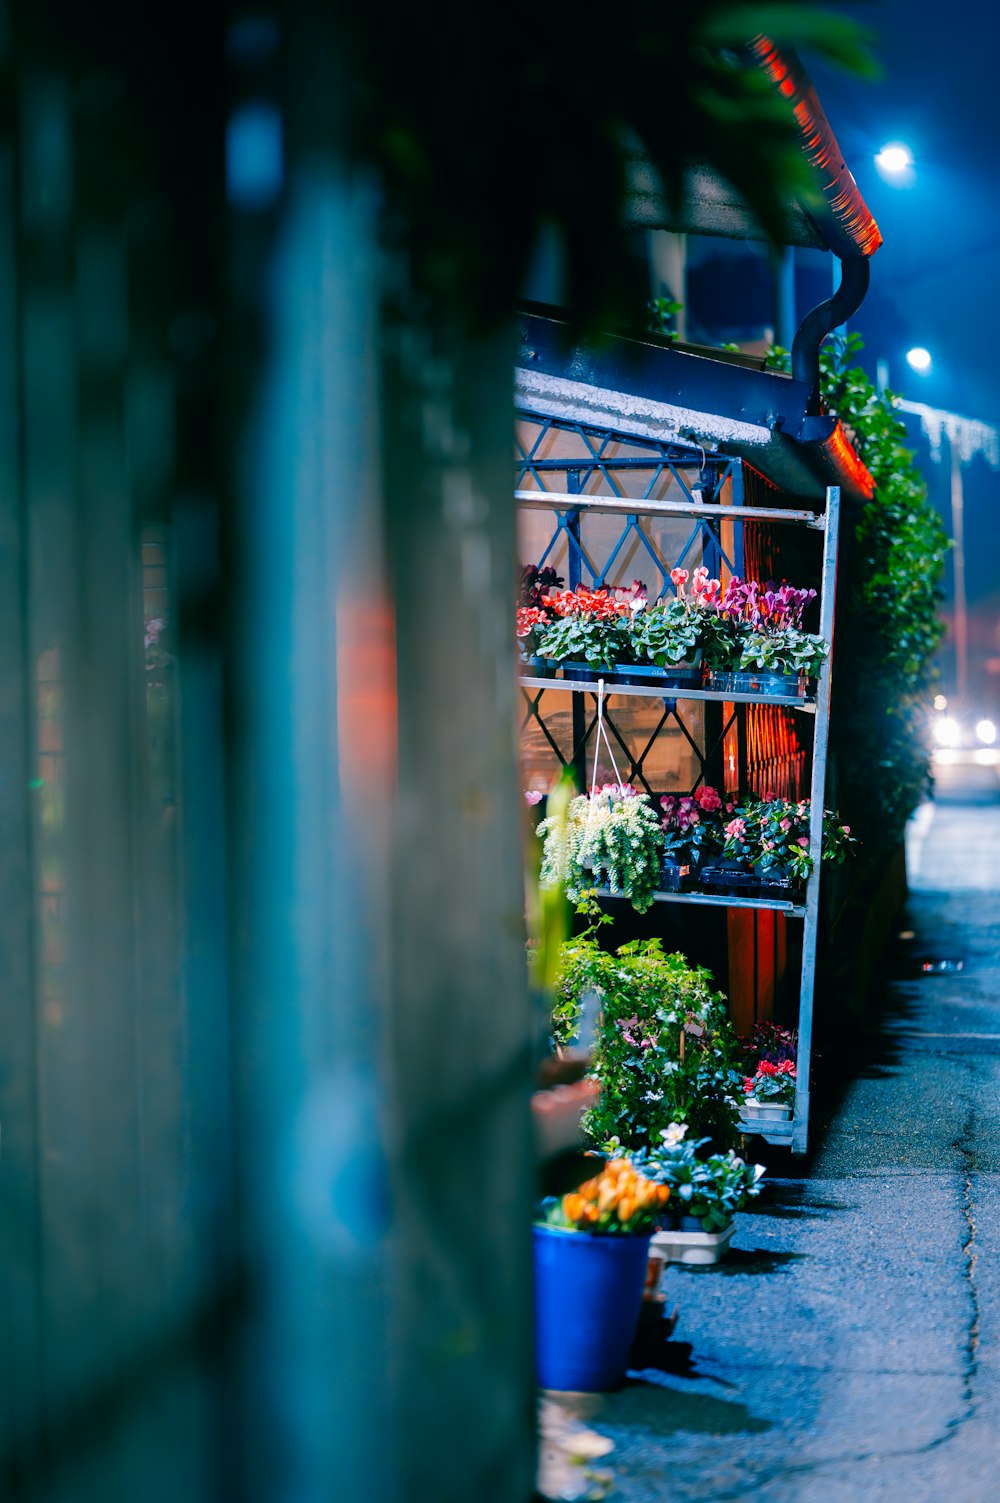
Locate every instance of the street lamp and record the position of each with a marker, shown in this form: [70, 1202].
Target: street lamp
[919, 359]
[895, 164]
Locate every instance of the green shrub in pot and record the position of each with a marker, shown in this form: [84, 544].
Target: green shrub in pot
[711, 1188]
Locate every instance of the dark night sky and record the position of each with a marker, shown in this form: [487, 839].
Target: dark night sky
[936, 280]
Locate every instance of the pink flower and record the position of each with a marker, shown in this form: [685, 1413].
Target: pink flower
[708, 799]
[803, 840]
[846, 829]
[735, 828]
[679, 578]
[532, 796]
[786, 824]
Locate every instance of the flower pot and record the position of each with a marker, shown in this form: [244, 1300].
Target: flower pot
[776, 882]
[719, 679]
[681, 677]
[638, 673]
[675, 878]
[694, 1247]
[588, 1295]
[533, 666]
[765, 1111]
[583, 672]
[556, 1112]
[727, 879]
[767, 685]
[741, 883]
[651, 1293]
[679, 1221]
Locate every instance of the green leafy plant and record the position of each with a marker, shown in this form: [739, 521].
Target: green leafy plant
[773, 1083]
[711, 1188]
[667, 634]
[785, 650]
[664, 1049]
[889, 624]
[662, 311]
[772, 835]
[611, 837]
[692, 825]
[591, 626]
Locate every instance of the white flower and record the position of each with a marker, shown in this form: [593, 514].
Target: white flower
[653, 1096]
[673, 1134]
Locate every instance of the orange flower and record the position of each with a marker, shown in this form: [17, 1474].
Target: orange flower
[626, 1208]
[573, 1207]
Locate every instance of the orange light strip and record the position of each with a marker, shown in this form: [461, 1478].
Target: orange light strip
[851, 214]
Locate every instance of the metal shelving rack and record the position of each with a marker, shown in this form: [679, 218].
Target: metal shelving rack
[795, 1132]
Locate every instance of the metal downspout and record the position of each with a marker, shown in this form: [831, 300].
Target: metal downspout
[822, 320]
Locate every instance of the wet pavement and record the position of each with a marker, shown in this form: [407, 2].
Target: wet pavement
[849, 1347]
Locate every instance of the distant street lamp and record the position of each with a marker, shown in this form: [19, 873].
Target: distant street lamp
[894, 164]
[967, 438]
[894, 160]
[919, 359]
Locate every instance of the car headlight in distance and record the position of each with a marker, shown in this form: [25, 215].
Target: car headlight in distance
[947, 732]
[986, 731]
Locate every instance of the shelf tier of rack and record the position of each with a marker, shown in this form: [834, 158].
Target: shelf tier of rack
[719, 696]
[630, 506]
[772, 1132]
[720, 900]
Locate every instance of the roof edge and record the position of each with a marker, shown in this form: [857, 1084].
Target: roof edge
[850, 228]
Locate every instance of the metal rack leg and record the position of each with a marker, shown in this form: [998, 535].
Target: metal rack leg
[817, 793]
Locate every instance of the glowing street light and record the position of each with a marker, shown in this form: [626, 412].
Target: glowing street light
[894, 160]
[919, 359]
[947, 732]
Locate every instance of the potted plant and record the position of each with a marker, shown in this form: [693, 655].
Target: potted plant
[779, 663]
[692, 835]
[769, 1093]
[758, 645]
[530, 622]
[533, 615]
[766, 848]
[590, 630]
[610, 837]
[669, 633]
[536, 583]
[770, 1041]
[591, 1249]
[706, 1192]
[663, 1049]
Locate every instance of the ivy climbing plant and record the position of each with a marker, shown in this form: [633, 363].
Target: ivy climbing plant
[888, 623]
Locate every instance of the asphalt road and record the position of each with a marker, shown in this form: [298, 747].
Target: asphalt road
[849, 1347]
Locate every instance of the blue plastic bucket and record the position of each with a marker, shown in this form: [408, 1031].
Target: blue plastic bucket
[588, 1297]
